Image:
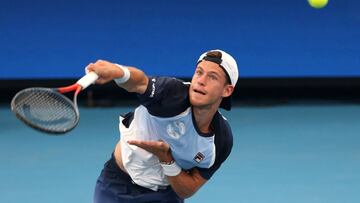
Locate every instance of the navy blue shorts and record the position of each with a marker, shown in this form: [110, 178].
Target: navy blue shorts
[115, 186]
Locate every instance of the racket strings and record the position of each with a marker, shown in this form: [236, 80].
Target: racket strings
[46, 109]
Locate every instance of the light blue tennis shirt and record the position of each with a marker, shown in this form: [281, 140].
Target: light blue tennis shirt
[165, 114]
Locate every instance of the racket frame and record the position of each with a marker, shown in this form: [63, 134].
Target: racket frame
[81, 84]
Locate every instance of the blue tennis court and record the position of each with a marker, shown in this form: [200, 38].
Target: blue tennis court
[298, 152]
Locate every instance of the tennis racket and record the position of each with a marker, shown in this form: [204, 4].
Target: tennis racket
[47, 109]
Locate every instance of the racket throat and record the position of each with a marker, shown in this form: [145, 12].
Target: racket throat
[78, 89]
[70, 88]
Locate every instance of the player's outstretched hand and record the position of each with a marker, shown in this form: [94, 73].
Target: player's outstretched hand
[159, 148]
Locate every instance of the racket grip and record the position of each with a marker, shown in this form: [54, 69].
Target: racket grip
[87, 80]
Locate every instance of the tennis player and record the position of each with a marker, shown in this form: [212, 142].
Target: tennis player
[176, 139]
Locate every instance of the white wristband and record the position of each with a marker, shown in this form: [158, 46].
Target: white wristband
[171, 169]
[125, 77]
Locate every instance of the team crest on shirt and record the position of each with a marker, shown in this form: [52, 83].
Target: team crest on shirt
[176, 129]
[199, 157]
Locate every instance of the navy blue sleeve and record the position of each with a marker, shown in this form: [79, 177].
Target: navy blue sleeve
[165, 96]
[223, 145]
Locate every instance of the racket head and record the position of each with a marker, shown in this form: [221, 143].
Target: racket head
[45, 109]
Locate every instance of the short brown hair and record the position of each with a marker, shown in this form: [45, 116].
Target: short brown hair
[215, 56]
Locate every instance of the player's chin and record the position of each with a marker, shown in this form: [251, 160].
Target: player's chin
[198, 100]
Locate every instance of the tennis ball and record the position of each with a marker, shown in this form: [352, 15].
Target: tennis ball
[318, 3]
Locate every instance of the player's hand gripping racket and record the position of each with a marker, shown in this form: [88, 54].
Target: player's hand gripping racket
[47, 109]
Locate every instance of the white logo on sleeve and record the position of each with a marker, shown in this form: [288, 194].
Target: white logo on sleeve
[176, 129]
[153, 87]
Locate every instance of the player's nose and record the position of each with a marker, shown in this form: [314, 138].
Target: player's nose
[201, 80]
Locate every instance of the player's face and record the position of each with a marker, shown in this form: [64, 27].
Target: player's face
[209, 85]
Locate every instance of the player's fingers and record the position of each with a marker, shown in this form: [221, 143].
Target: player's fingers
[100, 81]
[153, 146]
[87, 70]
[140, 143]
[101, 62]
[134, 142]
[90, 67]
[147, 145]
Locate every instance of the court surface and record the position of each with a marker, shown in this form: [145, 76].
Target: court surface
[298, 153]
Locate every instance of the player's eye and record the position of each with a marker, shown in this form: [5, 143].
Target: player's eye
[213, 77]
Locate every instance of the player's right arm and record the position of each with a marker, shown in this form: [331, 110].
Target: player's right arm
[108, 71]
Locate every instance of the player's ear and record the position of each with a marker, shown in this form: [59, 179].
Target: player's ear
[228, 90]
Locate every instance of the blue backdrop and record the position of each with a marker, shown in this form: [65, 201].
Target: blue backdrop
[277, 38]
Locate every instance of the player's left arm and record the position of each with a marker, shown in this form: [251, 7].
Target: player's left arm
[185, 184]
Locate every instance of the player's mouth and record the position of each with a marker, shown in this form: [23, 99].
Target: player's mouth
[199, 91]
